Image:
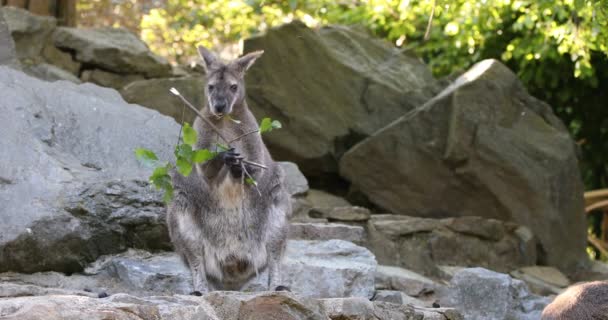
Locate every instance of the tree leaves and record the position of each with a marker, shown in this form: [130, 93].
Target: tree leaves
[145, 156]
[268, 125]
[189, 135]
[203, 155]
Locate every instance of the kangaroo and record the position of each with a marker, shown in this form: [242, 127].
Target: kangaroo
[586, 301]
[228, 231]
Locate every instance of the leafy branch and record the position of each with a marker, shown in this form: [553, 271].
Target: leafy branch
[186, 156]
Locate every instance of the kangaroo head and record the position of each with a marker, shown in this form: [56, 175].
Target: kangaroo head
[225, 87]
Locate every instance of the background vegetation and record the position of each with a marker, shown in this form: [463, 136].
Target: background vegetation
[558, 48]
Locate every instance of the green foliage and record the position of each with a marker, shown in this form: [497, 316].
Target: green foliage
[186, 157]
[268, 125]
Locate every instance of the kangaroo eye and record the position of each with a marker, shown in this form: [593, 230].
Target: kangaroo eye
[211, 87]
[233, 87]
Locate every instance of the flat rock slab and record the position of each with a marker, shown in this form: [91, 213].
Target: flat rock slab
[213, 306]
[410, 282]
[326, 231]
[113, 49]
[320, 269]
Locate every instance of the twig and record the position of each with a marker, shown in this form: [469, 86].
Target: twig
[252, 179]
[428, 26]
[244, 134]
[213, 127]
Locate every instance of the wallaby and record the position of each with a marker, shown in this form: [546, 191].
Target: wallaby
[586, 301]
[226, 230]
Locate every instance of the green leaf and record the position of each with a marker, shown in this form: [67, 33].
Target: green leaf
[183, 166]
[202, 155]
[168, 196]
[268, 125]
[189, 135]
[183, 151]
[145, 156]
[265, 125]
[250, 181]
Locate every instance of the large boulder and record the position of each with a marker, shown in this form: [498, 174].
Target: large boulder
[70, 186]
[330, 87]
[154, 94]
[482, 147]
[112, 49]
[422, 244]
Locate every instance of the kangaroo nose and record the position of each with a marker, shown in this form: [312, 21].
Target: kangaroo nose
[220, 107]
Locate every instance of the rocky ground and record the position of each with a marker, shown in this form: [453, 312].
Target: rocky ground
[440, 200]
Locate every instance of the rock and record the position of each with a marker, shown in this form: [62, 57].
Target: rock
[49, 72]
[421, 244]
[398, 297]
[112, 49]
[483, 294]
[326, 231]
[359, 308]
[8, 56]
[409, 282]
[70, 185]
[30, 32]
[109, 79]
[350, 213]
[154, 94]
[542, 280]
[162, 273]
[295, 182]
[61, 59]
[319, 269]
[11, 290]
[371, 83]
[482, 147]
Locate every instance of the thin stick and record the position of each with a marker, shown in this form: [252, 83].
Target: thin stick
[428, 26]
[244, 134]
[175, 92]
[255, 184]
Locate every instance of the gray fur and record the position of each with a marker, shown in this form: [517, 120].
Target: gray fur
[225, 230]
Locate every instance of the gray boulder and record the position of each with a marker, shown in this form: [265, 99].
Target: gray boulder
[69, 182]
[8, 56]
[295, 181]
[421, 244]
[154, 94]
[112, 49]
[482, 147]
[409, 282]
[30, 32]
[331, 87]
[49, 72]
[482, 294]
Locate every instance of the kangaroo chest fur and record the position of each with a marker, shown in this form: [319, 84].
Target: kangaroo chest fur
[230, 243]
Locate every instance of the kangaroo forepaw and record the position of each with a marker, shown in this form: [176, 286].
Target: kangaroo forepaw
[282, 288]
[234, 161]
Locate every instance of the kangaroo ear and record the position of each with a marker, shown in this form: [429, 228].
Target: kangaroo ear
[210, 60]
[243, 63]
